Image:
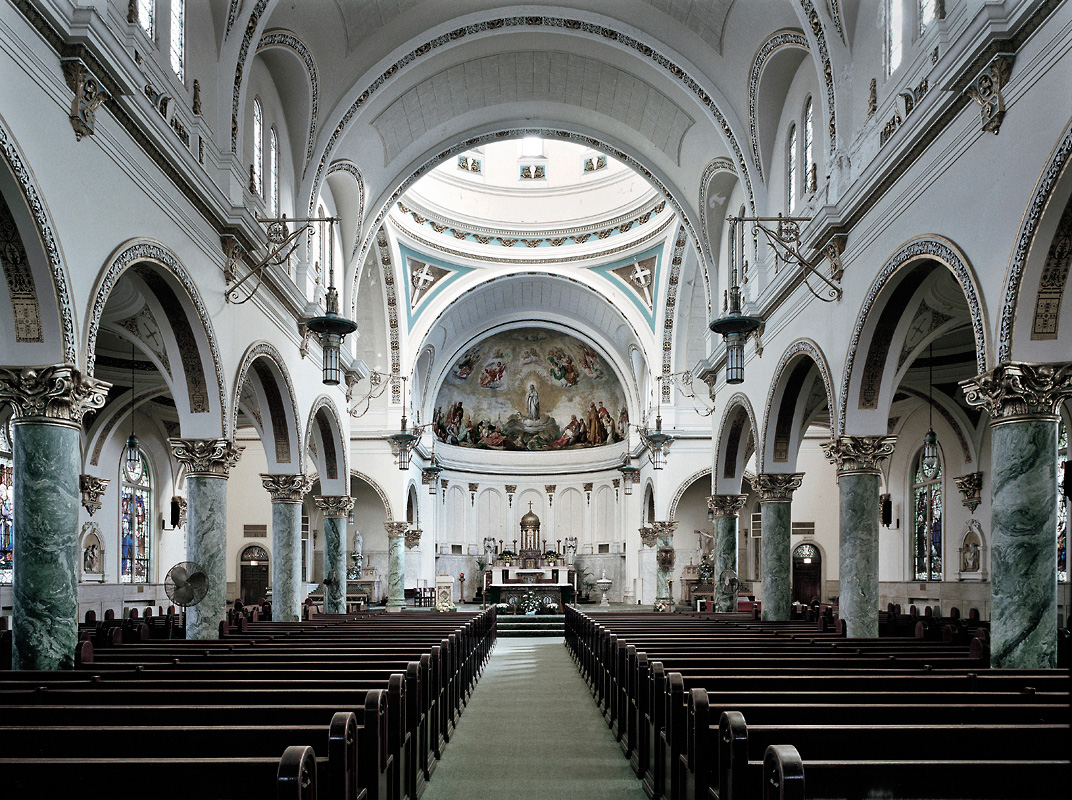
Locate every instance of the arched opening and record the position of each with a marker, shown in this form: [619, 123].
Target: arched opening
[807, 574]
[254, 574]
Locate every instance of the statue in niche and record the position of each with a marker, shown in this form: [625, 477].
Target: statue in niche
[92, 551]
[532, 403]
[971, 550]
[91, 558]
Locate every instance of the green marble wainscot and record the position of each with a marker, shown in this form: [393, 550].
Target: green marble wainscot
[1023, 561]
[396, 576]
[286, 578]
[725, 558]
[206, 545]
[777, 528]
[46, 462]
[335, 564]
[858, 561]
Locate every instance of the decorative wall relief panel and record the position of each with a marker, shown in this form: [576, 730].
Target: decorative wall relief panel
[530, 389]
[20, 283]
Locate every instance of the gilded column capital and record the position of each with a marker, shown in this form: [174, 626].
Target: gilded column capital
[286, 488]
[726, 505]
[92, 488]
[856, 455]
[970, 486]
[413, 537]
[206, 458]
[647, 536]
[1020, 389]
[336, 505]
[57, 394]
[664, 527]
[776, 486]
[395, 529]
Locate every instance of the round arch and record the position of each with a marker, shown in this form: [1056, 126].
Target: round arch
[330, 454]
[786, 426]
[289, 42]
[681, 490]
[187, 314]
[264, 366]
[376, 488]
[924, 248]
[738, 425]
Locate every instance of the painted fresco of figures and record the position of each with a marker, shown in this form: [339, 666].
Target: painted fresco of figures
[516, 390]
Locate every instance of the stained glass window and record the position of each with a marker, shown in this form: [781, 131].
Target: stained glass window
[1062, 504]
[147, 17]
[893, 35]
[927, 502]
[7, 506]
[135, 526]
[258, 147]
[808, 154]
[791, 178]
[273, 172]
[178, 38]
[928, 11]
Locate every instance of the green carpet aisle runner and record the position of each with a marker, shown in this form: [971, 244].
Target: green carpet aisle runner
[532, 731]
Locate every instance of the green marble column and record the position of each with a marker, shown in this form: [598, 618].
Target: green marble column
[208, 463]
[286, 492]
[775, 492]
[857, 459]
[336, 509]
[664, 574]
[48, 404]
[396, 564]
[726, 508]
[1023, 400]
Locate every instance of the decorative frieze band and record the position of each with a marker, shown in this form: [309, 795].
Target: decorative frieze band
[859, 454]
[57, 393]
[395, 528]
[726, 505]
[92, 489]
[1020, 389]
[776, 486]
[970, 487]
[336, 506]
[287, 488]
[211, 458]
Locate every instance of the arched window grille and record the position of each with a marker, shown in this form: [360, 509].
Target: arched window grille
[273, 172]
[791, 176]
[7, 505]
[135, 524]
[809, 155]
[178, 38]
[258, 147]
[927, 506]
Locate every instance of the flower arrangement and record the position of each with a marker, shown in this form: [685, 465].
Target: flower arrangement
[528, 604]
[503, 608]
[507, 556]
[706, 571]
[548, 608]
[551, 556]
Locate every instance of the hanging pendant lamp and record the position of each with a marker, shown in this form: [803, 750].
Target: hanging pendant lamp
[132, 453]
[930, 438]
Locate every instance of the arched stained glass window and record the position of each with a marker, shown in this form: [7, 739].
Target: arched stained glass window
[791, 174]
[1062, 503]
[273, 173]
[7, 506]
[147, 17]
[927, 505]
[894, 28]
[135, 524]
[809, 155]
[258, 147]
[928, 13]
[178, 38]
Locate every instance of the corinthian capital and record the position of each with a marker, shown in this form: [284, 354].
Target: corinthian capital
[212, 458]
[776, 486]
[413, 537]
[647, 536]
[859, 454]
[286, 488]
[338, 505]
[58, 393]
[92, 488]
[396, 529]
[664, 528]
[726, 505]
[1020, 389]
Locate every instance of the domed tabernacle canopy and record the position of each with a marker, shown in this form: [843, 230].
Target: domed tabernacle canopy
[530, 521]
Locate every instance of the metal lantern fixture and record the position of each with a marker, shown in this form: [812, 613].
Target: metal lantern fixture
[132, 452]
[735, 326]
[405, 440]
[930, 438]
[430, 474]
[331, 328]
[658, 443]
[630, 474]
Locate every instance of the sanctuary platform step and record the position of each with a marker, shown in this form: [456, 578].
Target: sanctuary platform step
[537, 625]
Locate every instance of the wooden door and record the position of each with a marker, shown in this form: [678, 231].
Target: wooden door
[254, 582]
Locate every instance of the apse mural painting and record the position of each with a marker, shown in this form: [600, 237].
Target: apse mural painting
[530, 389]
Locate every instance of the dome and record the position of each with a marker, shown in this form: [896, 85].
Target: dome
[530, 520]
